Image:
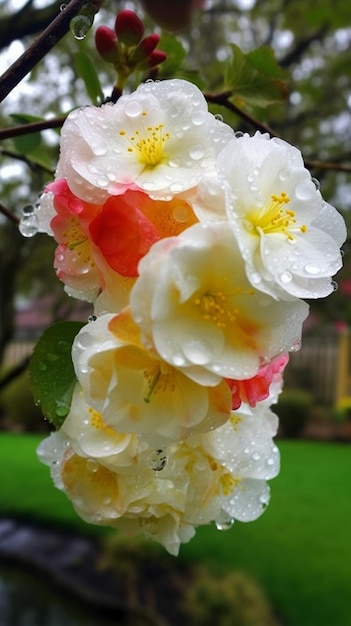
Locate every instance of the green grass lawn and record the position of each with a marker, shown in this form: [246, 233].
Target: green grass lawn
[299, 550]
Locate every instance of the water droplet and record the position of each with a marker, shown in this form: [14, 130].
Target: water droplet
[92, 318]
[270, 462]
[133, 108]
[63, 7]
[312, 268]
[176, 187]
[63, 346]
[335, 285]
[224, 525]
[198, 117]
[178, 360]
[92, 466]
[79, 26]
[264, 498]
[62, 409]
[219, 117]
[238, 134]
[158, 460]
[42, 367]
[284, 174]
[51, 357]
[296, 346]
[196, 152]
[286, 278]
[198, 352]
[316, 183]
[28, 225]
[256, 456]
[28, 210]
[181, 214]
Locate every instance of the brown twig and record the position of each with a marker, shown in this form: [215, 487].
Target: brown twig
[41, 46]
[8, 214]
[223, 99]
[32, 127]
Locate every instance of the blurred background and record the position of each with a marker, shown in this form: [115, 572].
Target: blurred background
[293, 566]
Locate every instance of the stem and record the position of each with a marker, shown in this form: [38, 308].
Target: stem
[41, 46]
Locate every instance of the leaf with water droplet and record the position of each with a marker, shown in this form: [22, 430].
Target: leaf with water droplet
[52, 373]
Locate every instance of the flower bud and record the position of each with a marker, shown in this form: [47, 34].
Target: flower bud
[153, 60]
[106, 43]
[129, 28]
[145, 48]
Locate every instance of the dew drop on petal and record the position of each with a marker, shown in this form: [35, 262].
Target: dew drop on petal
[312, 268]
[284, 173]
[334, 285]
[92, 466]
[296, 346]
[239, 134]
[133, 109]
[158, 460]
[285, 278]
[196, 152]
[316, 183]
[176, 187]
[178, 360]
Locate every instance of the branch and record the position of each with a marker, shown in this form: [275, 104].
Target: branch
[328, 165]
[32, 127]
[27, 21]
[41, 46]
[222, 99]
[8, 214]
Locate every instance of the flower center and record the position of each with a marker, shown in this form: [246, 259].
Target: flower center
[75, 239]
[276, 219]
[217, 308]
[148, 143]
[158, 378]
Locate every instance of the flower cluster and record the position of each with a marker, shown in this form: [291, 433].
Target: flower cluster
[196, 246]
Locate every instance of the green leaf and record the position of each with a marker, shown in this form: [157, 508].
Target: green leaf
[175, 55]
[86, 70]
[52, 373]
[25, 144]
[255, 78]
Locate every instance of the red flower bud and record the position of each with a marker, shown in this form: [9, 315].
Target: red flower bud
[129, 28]
[149, 43]
[106, 43]
[156, 57]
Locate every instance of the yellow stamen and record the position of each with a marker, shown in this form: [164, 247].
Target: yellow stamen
[276, 219]
[218, 307]
[148, 143]
[228, 483]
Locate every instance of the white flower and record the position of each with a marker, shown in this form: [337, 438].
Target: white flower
[288, 236]
[136, 391]
[159, 139]
[196, 307]
[164, 493]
